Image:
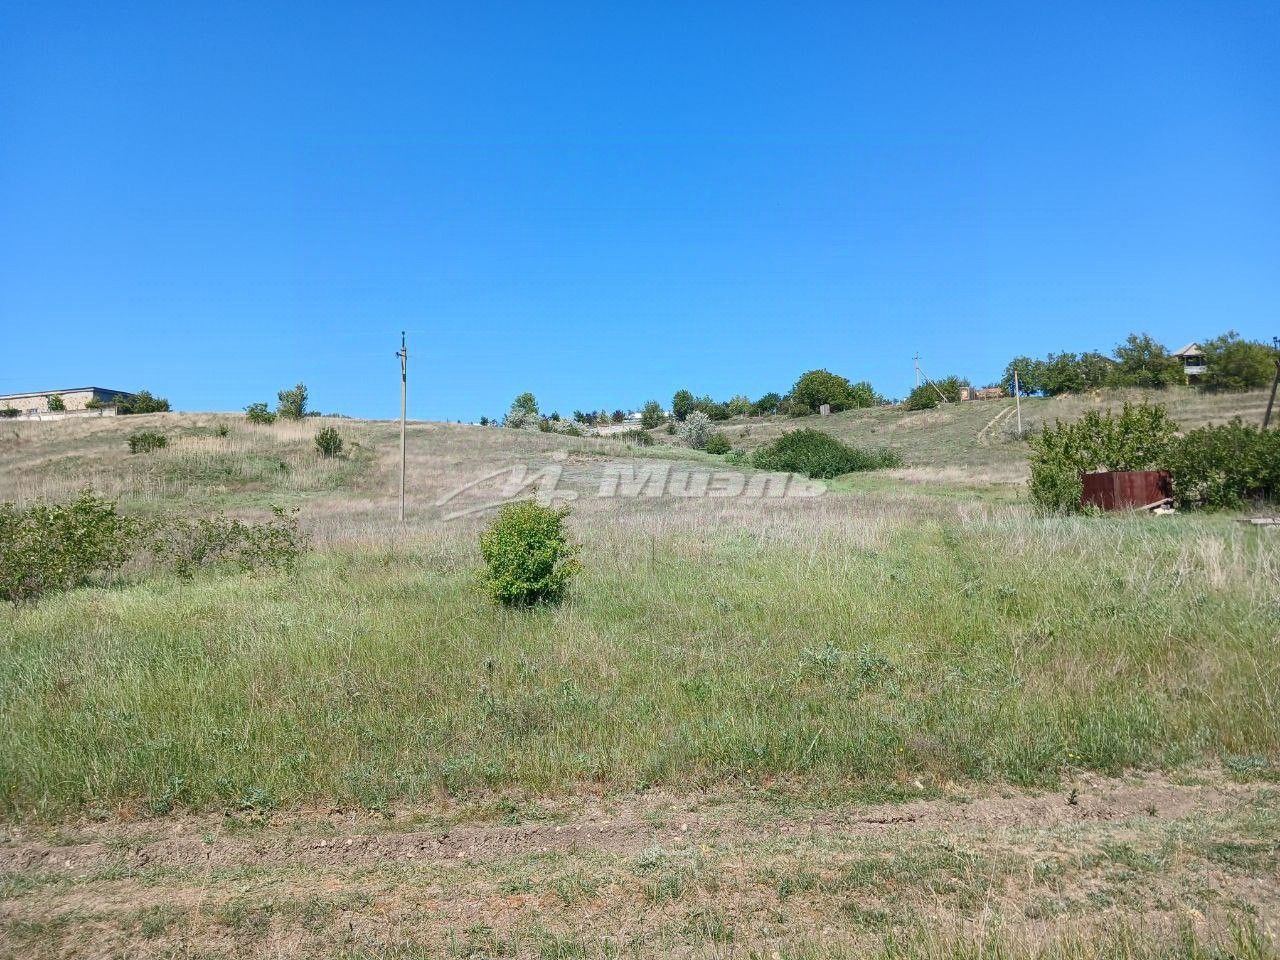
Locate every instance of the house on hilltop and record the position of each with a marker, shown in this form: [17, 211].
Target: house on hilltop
[75, 400]
[1193, 361]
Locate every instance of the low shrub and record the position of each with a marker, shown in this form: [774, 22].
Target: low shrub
[329, 442]
[695, 430]
[717, 444]
[47, 547]
[259, 413]
[1140, 437]
[639, 437]
[184, 544]
[8, 412]
[820, 455]
[56, 403]
[144, 401]
[147, 440]
[1225, 466]
[50, 547]
[529, 557]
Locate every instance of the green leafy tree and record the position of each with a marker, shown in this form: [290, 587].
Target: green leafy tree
[818, 387]
[681, 405]
[56, 403]
[738, 406]
[1030, 376]
[523, 412]
[1143, 362]
[931, 393]
[618, 416]
[1235, 364]
[259, 413]
[766, 405]
[292, 403]
[141, 402]
[652, 416]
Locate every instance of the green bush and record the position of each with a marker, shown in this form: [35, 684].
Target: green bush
[8, 412]
[328, 442]
[529, 556]
[141, 402]
[717, 444]
[259, 413]
[59, 546]
[292, 404]
[1140, 437]
[931, 393]
[182, 544]
[56, 403]
[652, 416]
[820, 455]
[817, 387]
[1225, 466]
[147, 440]
[695, 430]
[49, 547]
[638, 437]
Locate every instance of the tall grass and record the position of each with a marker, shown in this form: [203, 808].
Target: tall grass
[990, 648]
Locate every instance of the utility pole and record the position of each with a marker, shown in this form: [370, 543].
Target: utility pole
[1266, 420]
[1017, 400]
[916, 358]
[404, 396]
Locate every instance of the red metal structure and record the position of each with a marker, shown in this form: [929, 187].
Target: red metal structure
[1125, 489]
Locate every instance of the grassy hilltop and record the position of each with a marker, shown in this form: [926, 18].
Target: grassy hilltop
[730, 682]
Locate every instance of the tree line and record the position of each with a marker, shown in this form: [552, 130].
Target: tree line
[1231, 363]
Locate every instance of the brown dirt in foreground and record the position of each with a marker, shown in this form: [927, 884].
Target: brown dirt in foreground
[649, 874]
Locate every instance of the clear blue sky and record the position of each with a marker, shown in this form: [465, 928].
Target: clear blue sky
[605, 202]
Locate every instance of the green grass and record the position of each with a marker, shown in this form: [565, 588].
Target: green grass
[1010, 649]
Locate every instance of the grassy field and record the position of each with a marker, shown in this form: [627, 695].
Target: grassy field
[917, 638]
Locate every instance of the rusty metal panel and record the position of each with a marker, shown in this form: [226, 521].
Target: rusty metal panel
[1125, 489]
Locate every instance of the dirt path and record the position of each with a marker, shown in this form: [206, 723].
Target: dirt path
[626, 826]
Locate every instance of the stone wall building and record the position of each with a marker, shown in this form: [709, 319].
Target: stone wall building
[74, 399]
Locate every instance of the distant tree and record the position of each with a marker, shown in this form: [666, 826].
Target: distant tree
[695, 430]
[1143, 362]
[56, 403]
[1061, 373]
[929, 394]
[652, 416]
[818, 387]
[555, 416]
[864, 395]
[292, 403]
[682, 405]
[716, 411]
[259, 413]
[738, 406]
[584, 417]
[523, 412]
[1030, 376]
[1095, 370]
[1236, 364]
[766, 405]
[484, 421]
[141, 402]
[618, 416]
